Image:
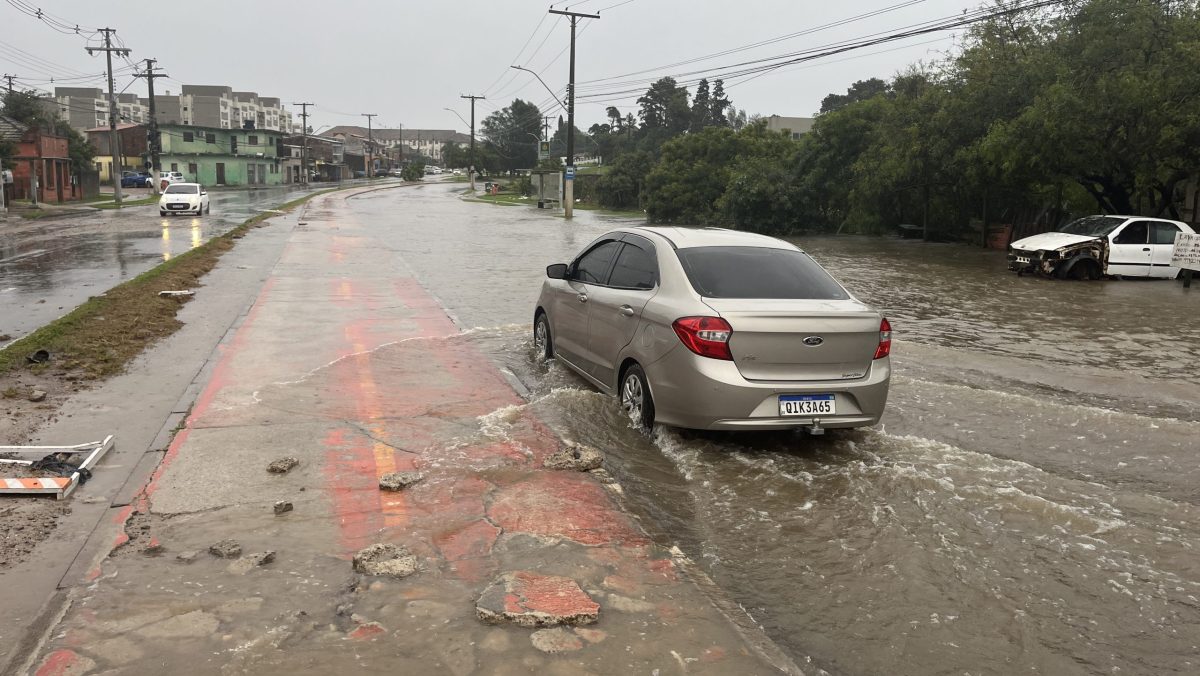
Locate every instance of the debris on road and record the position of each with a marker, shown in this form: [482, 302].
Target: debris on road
[282, 507]
[556, 640]
[176, 294]
[37, 395]
[367, 631]
[65, 473]
[529, 599]
[385, 559]
[398, 481]
[226, 549]
[38, 357]
[575, 457]
[249, 562]
[188, 556]
[283, 465]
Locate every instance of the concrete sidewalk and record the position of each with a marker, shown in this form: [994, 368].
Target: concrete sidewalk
[492, 563]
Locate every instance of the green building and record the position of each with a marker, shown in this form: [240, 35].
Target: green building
[215, 156]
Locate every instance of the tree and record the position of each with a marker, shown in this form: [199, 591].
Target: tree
[614, 118]
[664, 106]
[859, 91]
[701, 107]
[691, 176]
[735, 118]
[719, 104]
[513, 133]
[621, 187]
[29, 108]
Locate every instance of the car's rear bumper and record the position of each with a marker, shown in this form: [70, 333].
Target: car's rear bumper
[710, 394]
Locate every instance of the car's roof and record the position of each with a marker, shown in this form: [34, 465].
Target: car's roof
[685, 238]
[1140, 218]
[182, 183]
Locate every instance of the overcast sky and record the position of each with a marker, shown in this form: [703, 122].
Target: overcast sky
[409, 60]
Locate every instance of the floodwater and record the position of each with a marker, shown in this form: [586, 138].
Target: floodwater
[47, 268]
[1028, 504]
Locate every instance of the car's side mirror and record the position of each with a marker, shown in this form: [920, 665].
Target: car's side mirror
[557, 271]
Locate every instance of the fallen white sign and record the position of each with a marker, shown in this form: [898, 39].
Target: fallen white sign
[1186, 254]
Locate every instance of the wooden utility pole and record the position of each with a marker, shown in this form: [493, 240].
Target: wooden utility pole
[113, 147]
[370, 170]
[471, 170]
[154, 139]
[10, 79]
[569, 184]
[304, 148]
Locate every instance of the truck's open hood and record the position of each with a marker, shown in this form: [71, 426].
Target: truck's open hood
[1050, 241]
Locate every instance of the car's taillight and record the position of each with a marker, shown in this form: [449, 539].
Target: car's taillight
[885, 339]
[706, 336]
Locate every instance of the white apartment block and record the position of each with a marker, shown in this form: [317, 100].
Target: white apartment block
[197, 105]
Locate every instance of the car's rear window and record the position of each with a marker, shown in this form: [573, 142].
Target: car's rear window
[757, 272]
[185, 189]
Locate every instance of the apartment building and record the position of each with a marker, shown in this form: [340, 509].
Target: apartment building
[214, 106]
[87, 107]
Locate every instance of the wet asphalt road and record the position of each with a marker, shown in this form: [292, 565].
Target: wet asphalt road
[1028, 504]
[48, 267]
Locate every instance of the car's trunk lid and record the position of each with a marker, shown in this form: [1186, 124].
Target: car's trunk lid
[800, 340]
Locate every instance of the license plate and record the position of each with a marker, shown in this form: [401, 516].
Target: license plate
[177, 206]
[806, 404]
[1022, 259]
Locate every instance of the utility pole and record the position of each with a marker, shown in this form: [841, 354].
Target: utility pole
[400, 157]
[569, 184]
[113, 147]
[155, 141]
[546, 127]
[10, 78]
[471, 170]
[370, 140]
[304, 148]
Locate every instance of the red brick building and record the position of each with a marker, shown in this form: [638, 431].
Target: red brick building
[42, 155]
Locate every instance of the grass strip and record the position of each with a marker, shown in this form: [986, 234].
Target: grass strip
[101, 336]
[126, 203]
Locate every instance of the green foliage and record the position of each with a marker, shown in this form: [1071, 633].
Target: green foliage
[512, 133]
[665, 107]
[859, 91]
[621, 187]
[414, 171]
[691, 176]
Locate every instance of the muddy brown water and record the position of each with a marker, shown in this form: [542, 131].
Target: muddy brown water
[1028, 504]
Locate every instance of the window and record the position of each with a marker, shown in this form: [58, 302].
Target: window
[188, 137]
[1163, 233]
[192, 169]
[635, 269]
[1134, 233]
[174, 166]
[592, 267]
[1093, 226]
[252, 140]
[210, 138]
[233, 144]
[182, 189]
[757, 272]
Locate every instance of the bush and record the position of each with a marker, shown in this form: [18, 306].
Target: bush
[413, 172]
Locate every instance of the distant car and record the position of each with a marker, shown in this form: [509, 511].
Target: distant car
[381, 173]
[717, 330]
[396, 173]
[132, 179]
[457, 172]
[1095, 246]
[360, 174]
[183, 198]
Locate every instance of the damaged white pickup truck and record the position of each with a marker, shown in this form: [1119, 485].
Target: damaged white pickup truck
[1095, 246]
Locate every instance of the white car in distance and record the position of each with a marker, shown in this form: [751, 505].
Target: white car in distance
[183, 198]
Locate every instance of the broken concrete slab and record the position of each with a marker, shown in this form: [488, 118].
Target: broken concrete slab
[226, 549]
[283, 465]
[398, 481]
[529, 599]
[386, 559]
[574, 457]
[37, 395]
[188, 556]
[249, 562]
[196, 624]
[367, 631]
[556, 640]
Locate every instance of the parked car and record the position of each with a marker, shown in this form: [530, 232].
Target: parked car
[381, 173]
[1094, 246]
[715, 329]
[133, 179]
[360, 174]
[182, 198]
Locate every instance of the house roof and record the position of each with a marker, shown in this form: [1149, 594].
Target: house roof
[11, 130]
[121, 126]
[405, 135]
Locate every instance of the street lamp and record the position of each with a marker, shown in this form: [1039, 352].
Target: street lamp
[539, 77]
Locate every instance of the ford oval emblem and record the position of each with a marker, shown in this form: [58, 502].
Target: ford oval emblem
[813, 341]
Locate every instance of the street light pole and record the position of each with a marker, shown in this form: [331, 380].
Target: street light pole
[539, 77]
[569, 184]
[370, 142]
[471, 170]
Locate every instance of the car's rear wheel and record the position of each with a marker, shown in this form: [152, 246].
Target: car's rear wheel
[542, 341]
[635, 397]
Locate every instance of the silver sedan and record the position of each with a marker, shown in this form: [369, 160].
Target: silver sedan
[715, 329]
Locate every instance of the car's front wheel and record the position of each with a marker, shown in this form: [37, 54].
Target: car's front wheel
[635, 397]
[542, 342]
[161, 212]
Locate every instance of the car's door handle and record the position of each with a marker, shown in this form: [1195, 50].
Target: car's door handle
[1146, 249]
[583, 298]
[626, 310]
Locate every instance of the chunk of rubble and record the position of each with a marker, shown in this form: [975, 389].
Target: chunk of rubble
[226, 549]
[249, 562]
[37, 395]
[282, 507]
[528, 599]
[283, 465]
[556, 640]
[398, 481]
[386, 559]
[574, 457]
